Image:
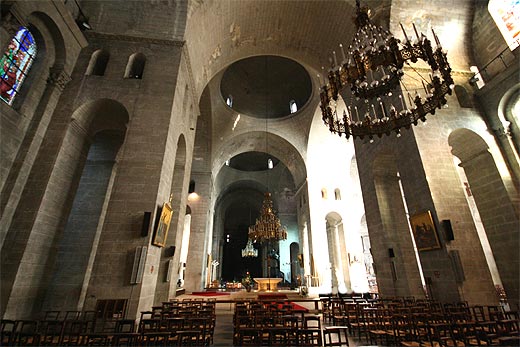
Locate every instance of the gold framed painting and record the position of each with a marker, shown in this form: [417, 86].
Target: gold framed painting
[161, 233]
[424, 231]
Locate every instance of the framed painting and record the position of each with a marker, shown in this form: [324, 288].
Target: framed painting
[424, 231]
[161, 232]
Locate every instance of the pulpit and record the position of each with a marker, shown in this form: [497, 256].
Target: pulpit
[267, 284]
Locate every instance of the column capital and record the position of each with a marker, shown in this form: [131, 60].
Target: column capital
[58, 77]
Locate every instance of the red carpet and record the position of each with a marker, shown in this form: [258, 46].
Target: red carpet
[299, 308]
[209, 293]
[272, 296]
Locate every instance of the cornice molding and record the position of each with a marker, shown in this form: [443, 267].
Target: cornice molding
[129, 38]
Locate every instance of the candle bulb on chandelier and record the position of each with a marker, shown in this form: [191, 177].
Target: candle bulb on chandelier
[416, 33]
[436, 39]
[320, 79]
[402, 102]
[342, 52]
[404, 32]
[335, 59]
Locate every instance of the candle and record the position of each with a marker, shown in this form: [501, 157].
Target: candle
[436, 38]
[416, 33]
[335, 60]
[402, 102]
[357, 113]
[404, 32]
[342, 51]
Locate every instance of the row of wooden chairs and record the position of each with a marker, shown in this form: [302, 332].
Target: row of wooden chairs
[258, 323]
[453, 324]
[150, 332]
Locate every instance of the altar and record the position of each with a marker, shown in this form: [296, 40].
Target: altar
[267, 284]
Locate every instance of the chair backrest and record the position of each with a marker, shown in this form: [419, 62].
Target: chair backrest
[312, 322]
[51, 315]
[7, 331]
[125, 326]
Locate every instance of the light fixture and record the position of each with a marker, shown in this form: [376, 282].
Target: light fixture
[373, 69]
[267, 226]
[82, 20]
[249, 251]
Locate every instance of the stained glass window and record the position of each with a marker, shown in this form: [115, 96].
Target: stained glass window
[506, 14]
[15, 64]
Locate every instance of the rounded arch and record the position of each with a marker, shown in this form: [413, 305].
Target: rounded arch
[98, 63]
[237, 208]
[135, 66]
[256, 141]
[509, 114]
[466, 144]
[493, 203]
[333, 218]
[101, 114]
[55, 47]
[209, 58]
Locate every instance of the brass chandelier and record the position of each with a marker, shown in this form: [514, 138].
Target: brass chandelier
[372, 68]
[249, 251]
[267, 226]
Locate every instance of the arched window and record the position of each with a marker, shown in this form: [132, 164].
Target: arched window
[15, 64]
[229, 101]
[98, 63]
[337, 194]
[135, 66]
[293, 106]
[324, 193]
[269, 163]
[505, 14]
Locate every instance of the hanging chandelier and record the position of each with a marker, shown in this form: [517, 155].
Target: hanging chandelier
[373, 69]
[267, 226]
[249, 251]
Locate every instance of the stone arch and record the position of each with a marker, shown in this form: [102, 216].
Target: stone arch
[493, 203]
[86, 162]
[509, 114]
[256, 141]
[135, 66]
[210, 58]
[166, 287]
[100, 114]
[340, 279]
[243, 200]
[98, 63]
[294, 249]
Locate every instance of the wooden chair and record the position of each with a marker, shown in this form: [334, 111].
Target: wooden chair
[309, 337]
[189, 338]
[51, 315]
[50, 332]
[335, 336]
[74, 332]
[249, 337]
[7, 332]
[26, 333]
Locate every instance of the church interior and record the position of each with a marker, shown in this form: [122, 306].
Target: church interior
[156, 148]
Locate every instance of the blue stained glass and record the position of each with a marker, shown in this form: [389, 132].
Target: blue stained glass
[15, 64]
